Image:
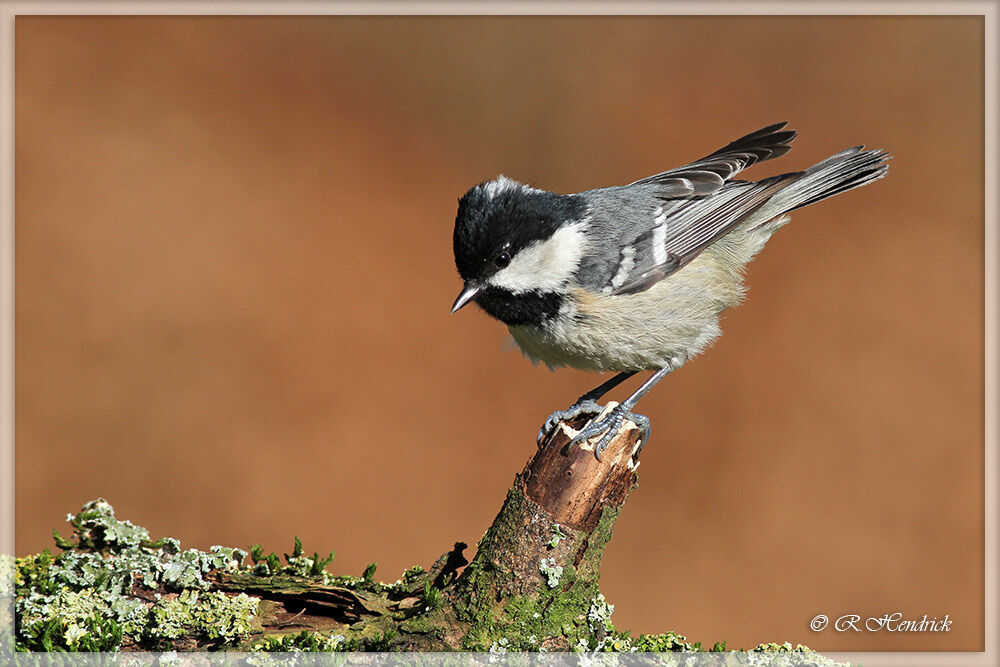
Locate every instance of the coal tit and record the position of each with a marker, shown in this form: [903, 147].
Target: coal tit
[634, 277]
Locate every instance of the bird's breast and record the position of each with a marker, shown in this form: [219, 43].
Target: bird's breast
[673, 320]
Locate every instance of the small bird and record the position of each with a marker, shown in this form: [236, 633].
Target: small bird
[633, 278]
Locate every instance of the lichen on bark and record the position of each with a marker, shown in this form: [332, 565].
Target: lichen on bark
[533, 584]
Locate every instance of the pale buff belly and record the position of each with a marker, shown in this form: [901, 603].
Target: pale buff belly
[665, 325]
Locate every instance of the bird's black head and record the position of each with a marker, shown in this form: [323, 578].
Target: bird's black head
[514, 245]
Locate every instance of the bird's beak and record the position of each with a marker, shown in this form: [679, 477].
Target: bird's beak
[468, 293]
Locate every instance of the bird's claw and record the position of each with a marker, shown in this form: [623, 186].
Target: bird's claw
[609, 425]
[586, 407]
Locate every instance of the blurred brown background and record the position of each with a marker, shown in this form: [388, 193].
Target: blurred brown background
[234, 270]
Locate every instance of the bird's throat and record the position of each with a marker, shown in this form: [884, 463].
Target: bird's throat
[533, 307]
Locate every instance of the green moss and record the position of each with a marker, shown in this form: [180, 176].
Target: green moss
[552, 615]
[432, 597]
[304, 641]
[70, 621]
[412, 574]
[33, 574]
[667, 642]
[424, 624]
[214, 616]
[524, 621]
[298, 563]
[112, 588]
[85, 619]
[83, 599]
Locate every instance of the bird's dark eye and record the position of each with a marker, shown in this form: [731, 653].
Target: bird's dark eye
[502, 260]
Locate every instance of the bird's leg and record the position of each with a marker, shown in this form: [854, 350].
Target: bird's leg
[586, 404]
[610, 423]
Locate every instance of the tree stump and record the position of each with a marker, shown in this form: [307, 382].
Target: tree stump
[538, 565]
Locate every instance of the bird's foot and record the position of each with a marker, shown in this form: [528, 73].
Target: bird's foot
[609, 425]
[585, 407]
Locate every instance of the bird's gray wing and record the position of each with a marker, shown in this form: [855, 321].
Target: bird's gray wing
[708, 175]
[676, 214]
[681, 229]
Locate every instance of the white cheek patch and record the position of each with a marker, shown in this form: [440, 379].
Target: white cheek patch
[544, 265]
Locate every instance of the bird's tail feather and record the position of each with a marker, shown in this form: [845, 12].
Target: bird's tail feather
[838, 173]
